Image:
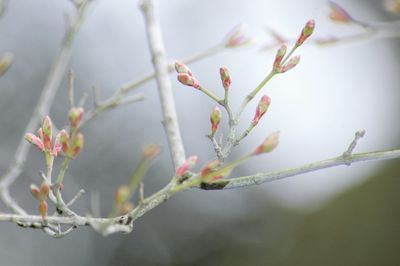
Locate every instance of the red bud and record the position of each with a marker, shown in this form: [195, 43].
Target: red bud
[339, 14]
[188, 80]
[43, 208]
[186, 166]
[47, 133]
[279, 57]
[291, 64]
[306, 32]
[210, 167]
[268, 144]
[75, 116]
[225, 77]
[44, 190]
[35, 141]
[182, 68]
[35, 191]
[215, 119]
[261, 109]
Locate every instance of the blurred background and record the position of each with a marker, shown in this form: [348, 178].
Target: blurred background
[341, 216]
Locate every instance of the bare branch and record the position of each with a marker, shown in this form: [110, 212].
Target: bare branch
[46, 98]
[157, 49]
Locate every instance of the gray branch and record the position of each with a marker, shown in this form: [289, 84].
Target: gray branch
[170, 119]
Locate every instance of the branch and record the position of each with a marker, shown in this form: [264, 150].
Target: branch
[46, 98]
[347, 158]
[170, 118]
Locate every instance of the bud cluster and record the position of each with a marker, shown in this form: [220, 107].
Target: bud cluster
[43, 140]
[41, 194]
[185, 75]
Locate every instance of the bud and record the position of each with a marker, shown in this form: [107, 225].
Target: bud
[43, 207]
[77, 145]
[188, 80]
[35, 191]
[44, 190]
[47, 133]
[64, 140]
[186, 166]
[182, 68]
[75, 116]
[215, 119]
[237, 37]
[306, 32]
[279, 57]
[210, 167]
[339, 14]
[57, 145]
[225, 77]
[151, 151]
[5, 63]
[291, 64]
[268, 144]
[34, 140]
[261, 109]
[122, 195]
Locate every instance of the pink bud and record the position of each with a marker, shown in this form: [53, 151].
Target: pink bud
[186, 166]
[35, 141]
[225, 77]
[188, 80]
[215, 119]
[44, 190]
[268, 144]
[151, 151]
[291, 64]
[75, 116]
[57, 144]
[43, 207]
[279, 57]
[210, 167]
[237, 37]
[306, 32]
[77, 145]
[35, 191]
[64, 140]
[182, 68]
[339, 14]
[261, 109]
[47, 133]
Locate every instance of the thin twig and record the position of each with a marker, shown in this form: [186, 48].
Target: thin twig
[46, 98]
[170, 119]
[71, 79]
[76, 197]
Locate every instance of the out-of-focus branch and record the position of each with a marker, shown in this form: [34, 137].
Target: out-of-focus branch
[347, 158]
[170, 118]
[43, 105]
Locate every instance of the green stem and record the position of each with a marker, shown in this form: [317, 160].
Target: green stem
[254, 92]
[210, 94]
[63, 169]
